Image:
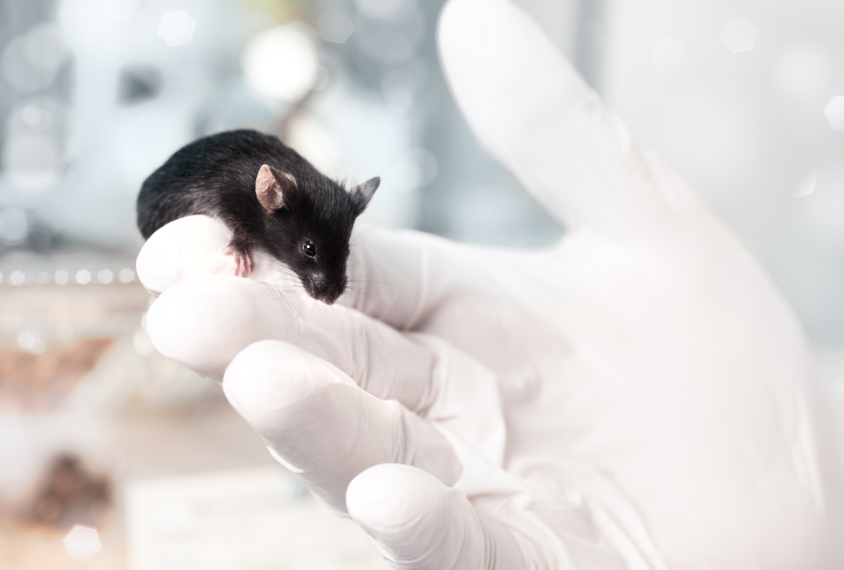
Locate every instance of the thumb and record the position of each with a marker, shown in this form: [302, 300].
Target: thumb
[418, 523]
[537, 116]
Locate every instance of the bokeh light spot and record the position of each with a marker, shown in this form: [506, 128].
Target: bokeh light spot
[807, 185]
[33, 161]
[835, 112]
[399, 91]
[415, 170]
[82, 543]
[739, 35]
[36, 117]
[335, 25]
[31, 342]
[282, 62]
[83, 276]
[31, 62]
[26, 340]
[45, 48]
[176, 28]
[803, 71]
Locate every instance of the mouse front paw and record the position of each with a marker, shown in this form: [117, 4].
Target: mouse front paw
[242, 259]
[243, 263]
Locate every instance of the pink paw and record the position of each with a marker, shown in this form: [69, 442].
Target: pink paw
[242, 261]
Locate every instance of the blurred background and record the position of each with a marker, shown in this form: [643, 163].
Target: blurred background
[113, 455]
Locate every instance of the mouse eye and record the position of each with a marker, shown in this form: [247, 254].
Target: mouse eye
[309, 249]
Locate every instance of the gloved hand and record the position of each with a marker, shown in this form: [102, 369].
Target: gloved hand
[637, 396]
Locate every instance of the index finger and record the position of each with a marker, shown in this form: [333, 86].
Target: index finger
[397, 277]
[202, 322]
[535, 113]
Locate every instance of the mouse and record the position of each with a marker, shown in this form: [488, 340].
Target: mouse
[269, 196]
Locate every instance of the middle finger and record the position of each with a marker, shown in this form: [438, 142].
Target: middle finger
[323, 427]
[204, 321]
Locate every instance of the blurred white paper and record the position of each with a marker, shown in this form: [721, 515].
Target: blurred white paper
[256, 519]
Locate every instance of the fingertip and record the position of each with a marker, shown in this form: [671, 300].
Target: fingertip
[188, 246]
[534, 112]
[456, 15]
[391, 497]
[204, 321]
[157, 264]
[418, 522]
[271, 374]
[177, 320]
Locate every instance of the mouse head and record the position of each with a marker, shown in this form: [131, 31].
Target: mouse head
[308, 224]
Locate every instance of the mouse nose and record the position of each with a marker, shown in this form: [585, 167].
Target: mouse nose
[320, 287]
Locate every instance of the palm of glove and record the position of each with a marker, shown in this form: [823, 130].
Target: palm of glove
[631, 375]
[637, 396]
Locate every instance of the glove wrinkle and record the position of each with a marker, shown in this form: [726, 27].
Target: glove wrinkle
[423, 446]
[502, 550]
[467, 401]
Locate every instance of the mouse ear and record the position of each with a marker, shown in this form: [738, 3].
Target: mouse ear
[362, 193]
[271, 185]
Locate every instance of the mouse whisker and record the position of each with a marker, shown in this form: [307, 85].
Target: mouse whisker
[383, 286]
[361, 294]
[361, 234]
[371, 282]
[278, 264]
[311, 312]
[271, 259]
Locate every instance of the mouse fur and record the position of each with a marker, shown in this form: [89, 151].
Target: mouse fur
[268, 196]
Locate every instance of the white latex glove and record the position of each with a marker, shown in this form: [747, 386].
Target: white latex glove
[637, 396]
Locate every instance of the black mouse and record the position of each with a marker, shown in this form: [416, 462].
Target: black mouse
[269, 197]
